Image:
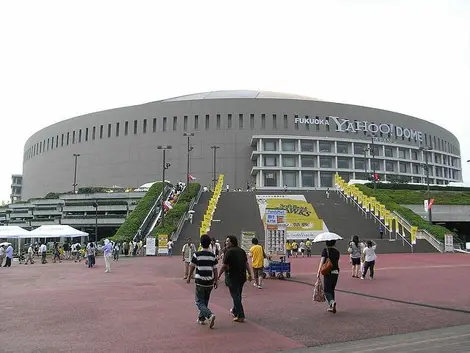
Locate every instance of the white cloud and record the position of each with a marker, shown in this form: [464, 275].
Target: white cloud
[61, 60]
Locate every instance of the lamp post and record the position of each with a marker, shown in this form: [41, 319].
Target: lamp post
[215, 148]
[165, 166]
[365, 161]
[426, 167]
[75, 155]
[190, 148]
[95, 205]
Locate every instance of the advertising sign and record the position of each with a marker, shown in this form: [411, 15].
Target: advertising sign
[413, 235]
[449, 243]
[162, 244]
[246, 240]
[300, 217]
[150, 246]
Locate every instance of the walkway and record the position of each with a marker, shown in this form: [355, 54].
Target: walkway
[145, 306]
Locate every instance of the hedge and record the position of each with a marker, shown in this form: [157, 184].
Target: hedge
[402, 186]
[416, 194]
[132, 223]
[393, 204]
[173, 216]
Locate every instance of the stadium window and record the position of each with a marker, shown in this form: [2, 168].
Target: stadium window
[101, 131]
[217, 126]
[62, 141]
[307, 126]
[296, 125]
[207, 122]
[328, 124]
[240, 121]
[126, 128]
[196, 122]
[57, 141]
[80, 136]
[185, 123]
[286, 122]
[263, 121]
[154, 125]
[317, 126]
[73, 137]
[229, 121]
[86, 134]
[144, 126]
[175, 123]
[117, 129]
[109, 130]
[48, 144]
[274, 122]
[252, 121]
[93, 135]
[52, 142]
[135, 127]
[164, 124]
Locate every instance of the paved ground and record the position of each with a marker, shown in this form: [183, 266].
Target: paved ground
[145, 306]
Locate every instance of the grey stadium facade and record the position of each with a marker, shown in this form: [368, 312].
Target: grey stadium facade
[267, 139]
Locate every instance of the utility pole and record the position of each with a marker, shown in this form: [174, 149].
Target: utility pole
[426, 167]
[75, 155]
[214, 170]
[165, 166]
[190, 148]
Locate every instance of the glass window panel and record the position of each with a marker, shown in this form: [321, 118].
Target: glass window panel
[308, 179]
[342, 147]
[325, 146]
[288, 145]
[289, 161]
[270, 161]
[290, 179]
[307, 146]
[326, 180]
[270, 145]
[344, 163]
[326, 162]
[309, 161]
[270, 178]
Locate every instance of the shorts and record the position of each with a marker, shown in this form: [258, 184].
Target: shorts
[356, 261]
[258, 272]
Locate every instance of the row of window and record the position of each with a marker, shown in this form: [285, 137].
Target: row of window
[136, 127]
[292, 161]
[310, 179]
[271, 145]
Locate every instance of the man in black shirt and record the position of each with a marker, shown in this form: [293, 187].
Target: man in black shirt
[205, 264]
[236, 264]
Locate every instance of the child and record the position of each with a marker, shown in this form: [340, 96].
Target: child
[369, 259]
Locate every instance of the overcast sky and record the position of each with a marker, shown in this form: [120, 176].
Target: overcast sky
[60, 60]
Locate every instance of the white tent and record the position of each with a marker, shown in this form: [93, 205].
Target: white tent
[13, 232]
[56, 231]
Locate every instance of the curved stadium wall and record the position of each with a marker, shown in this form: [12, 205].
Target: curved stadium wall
[267, 139]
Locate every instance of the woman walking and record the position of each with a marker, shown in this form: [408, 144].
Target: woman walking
[354, 251]
[369, 259]
[331, 278]
[107, 249]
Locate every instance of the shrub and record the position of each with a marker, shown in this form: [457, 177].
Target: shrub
[173, 216]
[132, 223]
[392, 200]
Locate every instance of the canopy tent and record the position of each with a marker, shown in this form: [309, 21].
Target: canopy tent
[13, 232]
[56, 231]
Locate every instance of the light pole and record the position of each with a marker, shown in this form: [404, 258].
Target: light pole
[95, 205]
[165, 166]
[215, 148]
[190, 148]
[365, 161]
[75, 155]
[426, 167]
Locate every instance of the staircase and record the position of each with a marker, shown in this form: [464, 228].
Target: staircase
[191, 230]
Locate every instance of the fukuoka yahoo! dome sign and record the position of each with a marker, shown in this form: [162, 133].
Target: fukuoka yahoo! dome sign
[345, 125]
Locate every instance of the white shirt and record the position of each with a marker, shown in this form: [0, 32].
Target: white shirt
[2, 251]
[42, 248]
[30, 250]
[170, 245]
[370, 253]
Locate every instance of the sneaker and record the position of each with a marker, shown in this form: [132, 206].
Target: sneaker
[231, 313]
[200, 322]
[362, 277]
[239, 319]
[333, 308]
[259, 287]
[211, 321]
[255, 285]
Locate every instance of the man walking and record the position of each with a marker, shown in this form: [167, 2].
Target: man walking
[205, 264]
[257, 262]
[9, 254]
[107, 250]
[236, 264]
[188, 251]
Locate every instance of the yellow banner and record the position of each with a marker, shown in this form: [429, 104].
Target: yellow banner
[162, 243]
[300, 214]
[413, 234]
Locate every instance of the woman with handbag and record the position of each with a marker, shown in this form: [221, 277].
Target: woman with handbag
[329, 268]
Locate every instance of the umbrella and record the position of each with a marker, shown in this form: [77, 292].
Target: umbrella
[326, 236]
[5, 243]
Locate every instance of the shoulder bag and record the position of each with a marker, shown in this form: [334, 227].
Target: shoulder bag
[327, 265]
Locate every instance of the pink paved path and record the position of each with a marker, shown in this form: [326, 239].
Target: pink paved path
[145, 306]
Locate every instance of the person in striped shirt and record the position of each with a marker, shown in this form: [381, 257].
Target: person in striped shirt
[204, 262]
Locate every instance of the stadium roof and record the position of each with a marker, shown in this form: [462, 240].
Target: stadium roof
[239, 94]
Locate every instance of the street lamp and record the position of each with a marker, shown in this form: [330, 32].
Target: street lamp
[365, 161]
[165, 166]
[95, 205]
[372, 152]
[190, 148]
[215, 148]
[75, 155]
[426, 168]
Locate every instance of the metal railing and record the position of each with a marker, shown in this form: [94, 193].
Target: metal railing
[151, 213]
[378, 219]
[198, 195]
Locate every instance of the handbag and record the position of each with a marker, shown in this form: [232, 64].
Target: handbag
[327, 265]
[318, 292]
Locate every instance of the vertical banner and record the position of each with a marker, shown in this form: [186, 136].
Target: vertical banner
[449, 243]
[246, 238]
[150, 246]
[413, 234]
[162, 244]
